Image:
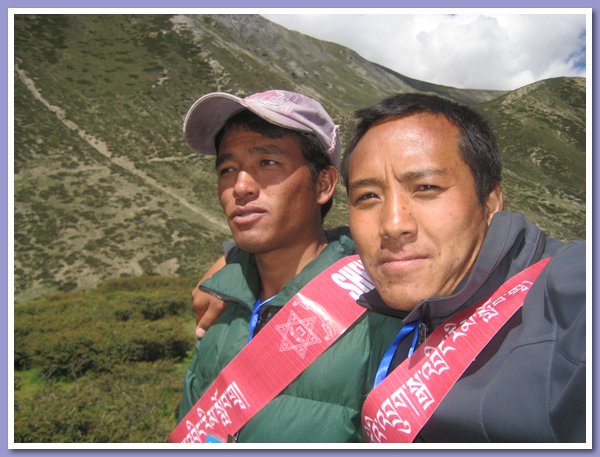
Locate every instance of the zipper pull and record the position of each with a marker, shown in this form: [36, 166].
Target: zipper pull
[424, 331]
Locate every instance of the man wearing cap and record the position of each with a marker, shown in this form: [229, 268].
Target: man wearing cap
[276, 157]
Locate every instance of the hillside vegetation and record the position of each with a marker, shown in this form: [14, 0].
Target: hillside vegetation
[104, 365]
[541, 132]
[115, 218]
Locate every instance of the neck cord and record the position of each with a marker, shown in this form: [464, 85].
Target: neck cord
[255, 313]
[386, 361]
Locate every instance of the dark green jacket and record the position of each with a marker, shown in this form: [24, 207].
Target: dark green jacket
[323, 404]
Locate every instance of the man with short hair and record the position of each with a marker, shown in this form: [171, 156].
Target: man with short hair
[425, 212]
[276, 154]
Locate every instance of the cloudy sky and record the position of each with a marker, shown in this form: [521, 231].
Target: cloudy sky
[467, 50]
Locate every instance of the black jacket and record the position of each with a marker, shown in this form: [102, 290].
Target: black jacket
[528, 384]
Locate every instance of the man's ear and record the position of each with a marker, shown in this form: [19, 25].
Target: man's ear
[494, 202]
[326, 183]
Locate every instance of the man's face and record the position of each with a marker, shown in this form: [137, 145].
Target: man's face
[266, 190]
[414, 213]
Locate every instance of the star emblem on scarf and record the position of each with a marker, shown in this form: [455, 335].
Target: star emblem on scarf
[297, 334]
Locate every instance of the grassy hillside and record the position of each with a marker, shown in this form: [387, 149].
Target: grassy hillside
[103, 365]
[108, 188]
[541, 131]
[105, 186]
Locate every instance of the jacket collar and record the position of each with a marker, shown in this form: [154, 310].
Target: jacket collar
[238, 280]
[511, 244]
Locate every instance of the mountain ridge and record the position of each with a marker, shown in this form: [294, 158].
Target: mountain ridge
[123, 83]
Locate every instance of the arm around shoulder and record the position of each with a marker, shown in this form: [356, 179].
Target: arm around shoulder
[206, 307]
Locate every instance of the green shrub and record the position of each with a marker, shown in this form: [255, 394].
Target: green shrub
[123, 314]
[133, 404]
[68, 355]
[103, 365]
[66, 335]
[71, 353]
[154, 308]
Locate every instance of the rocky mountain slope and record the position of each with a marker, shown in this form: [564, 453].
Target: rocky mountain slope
[104, 185]
[542, 132]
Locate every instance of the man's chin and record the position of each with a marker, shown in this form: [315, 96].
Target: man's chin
[251, 245]
[398, 300]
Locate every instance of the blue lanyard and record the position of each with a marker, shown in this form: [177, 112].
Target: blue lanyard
[255, 312]
[384, 366]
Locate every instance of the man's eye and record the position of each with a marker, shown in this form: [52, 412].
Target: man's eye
[224, 170]
[426, 188]
[364, 197]
[267, 162]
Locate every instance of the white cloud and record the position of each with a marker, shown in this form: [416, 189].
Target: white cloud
[477, 51]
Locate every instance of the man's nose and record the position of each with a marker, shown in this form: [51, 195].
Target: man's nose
[245, 186]
[398, 222]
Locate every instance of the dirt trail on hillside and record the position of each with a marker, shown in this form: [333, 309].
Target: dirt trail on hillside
[102, 148]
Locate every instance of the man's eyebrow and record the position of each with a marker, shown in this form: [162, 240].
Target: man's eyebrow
[222, 158]
[273, 150]
[418, 174]
[268, 149]
[404, 178]
[363, 183]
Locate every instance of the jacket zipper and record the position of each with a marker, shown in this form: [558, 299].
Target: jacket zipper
[424, 331]
[222, 297]
[425, 327]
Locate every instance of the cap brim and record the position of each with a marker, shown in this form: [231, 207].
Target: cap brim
[206, 118]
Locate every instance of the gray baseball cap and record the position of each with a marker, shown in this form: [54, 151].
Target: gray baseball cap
[286, 109]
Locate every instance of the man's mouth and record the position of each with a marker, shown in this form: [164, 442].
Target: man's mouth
[401, 263]
[247, 214]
